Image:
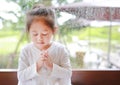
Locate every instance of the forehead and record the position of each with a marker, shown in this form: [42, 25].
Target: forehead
[39, 24]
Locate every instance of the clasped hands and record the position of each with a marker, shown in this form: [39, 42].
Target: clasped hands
[45, 61]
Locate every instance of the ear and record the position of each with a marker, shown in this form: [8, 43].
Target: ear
[55, 30]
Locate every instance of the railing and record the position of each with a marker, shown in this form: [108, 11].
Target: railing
[79, 77]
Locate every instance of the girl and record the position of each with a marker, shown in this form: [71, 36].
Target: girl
[43, 61]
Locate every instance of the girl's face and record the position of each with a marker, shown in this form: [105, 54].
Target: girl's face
[41, 34]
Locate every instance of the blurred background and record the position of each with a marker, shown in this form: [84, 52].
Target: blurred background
[90, 30]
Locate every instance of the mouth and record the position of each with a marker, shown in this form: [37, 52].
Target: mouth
[40, 42]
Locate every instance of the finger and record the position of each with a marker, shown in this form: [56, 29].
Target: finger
[42, 53]
[45, 59]
[46, 53]
[42, 58]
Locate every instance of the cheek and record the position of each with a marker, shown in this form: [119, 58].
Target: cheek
[33, 38]
[49, 37]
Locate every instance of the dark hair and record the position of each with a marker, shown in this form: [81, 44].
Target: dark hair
[40, 12]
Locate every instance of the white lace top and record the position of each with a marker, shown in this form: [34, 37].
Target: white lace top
[60, 74]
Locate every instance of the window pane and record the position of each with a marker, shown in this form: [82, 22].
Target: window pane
[90, 32]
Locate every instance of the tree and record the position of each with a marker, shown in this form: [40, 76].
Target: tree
[20, 24]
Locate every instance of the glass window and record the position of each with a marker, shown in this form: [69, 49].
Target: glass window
[90, 32]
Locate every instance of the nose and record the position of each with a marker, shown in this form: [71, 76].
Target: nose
[39, 38]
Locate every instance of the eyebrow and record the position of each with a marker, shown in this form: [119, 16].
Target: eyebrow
[33, 31]
[44, 32]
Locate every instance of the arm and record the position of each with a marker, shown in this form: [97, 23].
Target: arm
[25, 70]
[64, 69]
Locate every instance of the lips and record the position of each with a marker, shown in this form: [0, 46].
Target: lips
[40, 42]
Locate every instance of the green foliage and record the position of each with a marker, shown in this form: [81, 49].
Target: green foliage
[95, 33]
[8, 42]
[9, 33]
[115, 34]
[10, 38]
[3, 61]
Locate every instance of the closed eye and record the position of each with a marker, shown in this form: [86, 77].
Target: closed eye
[35, 34]
[44, 34]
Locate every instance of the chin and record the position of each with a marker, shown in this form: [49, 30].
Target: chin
[40, 46]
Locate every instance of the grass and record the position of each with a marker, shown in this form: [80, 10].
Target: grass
[9, 40]
[95, 33]
[8, 33]
[99, 39]
[8, 43]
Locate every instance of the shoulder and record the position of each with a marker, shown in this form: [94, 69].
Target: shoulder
[58, 45]
[26, 47]
[61, 49]
[25, 51]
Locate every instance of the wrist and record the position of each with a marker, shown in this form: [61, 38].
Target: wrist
[51, 66]
[38, 66]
